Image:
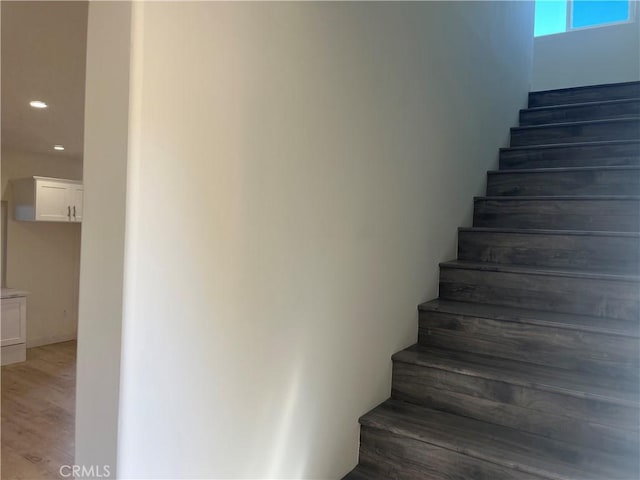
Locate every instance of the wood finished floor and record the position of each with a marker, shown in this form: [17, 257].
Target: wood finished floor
[38, 412]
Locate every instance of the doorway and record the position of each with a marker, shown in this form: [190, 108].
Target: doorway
[43, 84]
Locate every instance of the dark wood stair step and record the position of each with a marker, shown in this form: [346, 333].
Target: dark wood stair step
[590, 410]
[581, 111]
[391, 456]
[484, 451]
[589, 345]
[614, 213]
[600, 388]
[586, 131]
[565, 321]
[607, 180]
[589, 93]
[614, 252]
[550, 289]
[362, 473]
[579, 154]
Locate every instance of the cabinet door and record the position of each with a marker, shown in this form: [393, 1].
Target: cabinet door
[77, 194]
[13, 321]
[52, 201]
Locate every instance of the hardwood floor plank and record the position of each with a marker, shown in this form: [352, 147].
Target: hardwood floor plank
[38, 413]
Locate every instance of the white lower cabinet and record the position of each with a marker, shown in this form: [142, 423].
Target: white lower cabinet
[13, 327]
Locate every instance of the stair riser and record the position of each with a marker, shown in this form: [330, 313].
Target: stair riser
[600, 93]
[589, 132]
[558, 214]
[585, 182]
[582, 296]
[568, 156]
[526, 409]
[584, 252]
[611, 355]
[580, 113]
[393, 457]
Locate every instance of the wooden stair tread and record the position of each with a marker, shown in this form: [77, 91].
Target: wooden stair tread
[539, 231]
[558, 197]
[556, 180]
[634, 118]
[581, 110]
[608, 326]
[575, 212]
[634, 168]
[587, 93]
[575, 130]
[499, 445]
[580, 105]
[571, 145]
[584, 87]
[534, 270]
[598, 251]
[575, 384]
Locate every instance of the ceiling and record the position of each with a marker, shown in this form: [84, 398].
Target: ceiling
[43, 58]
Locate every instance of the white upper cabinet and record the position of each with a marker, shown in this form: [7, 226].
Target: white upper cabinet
[76, 205]
[51, 201]
[44, 199]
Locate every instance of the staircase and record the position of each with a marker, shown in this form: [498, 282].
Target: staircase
[527, 366]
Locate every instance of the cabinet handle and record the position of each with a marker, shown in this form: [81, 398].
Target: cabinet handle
[68, 211]
[74, 211]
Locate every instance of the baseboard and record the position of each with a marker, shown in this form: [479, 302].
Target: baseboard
[40, 341]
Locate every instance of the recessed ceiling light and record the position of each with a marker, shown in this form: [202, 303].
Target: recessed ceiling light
[38, 104]
[58, 147]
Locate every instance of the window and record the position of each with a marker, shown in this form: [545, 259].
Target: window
[556, 16]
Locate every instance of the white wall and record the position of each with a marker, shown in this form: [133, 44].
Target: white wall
[298, 171]
[102, 262]
[43, 258]
[591, 56]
